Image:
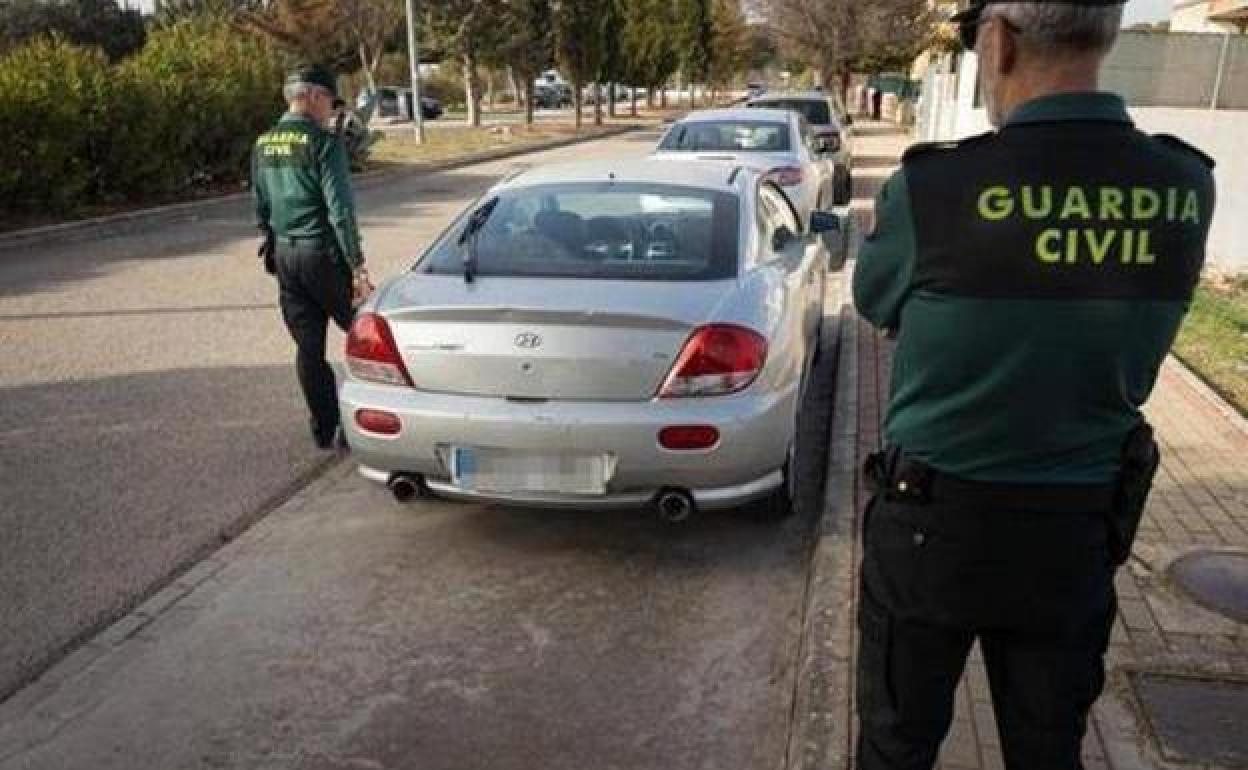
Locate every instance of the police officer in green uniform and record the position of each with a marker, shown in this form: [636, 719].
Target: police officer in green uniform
[305, 207]
[1035, 278]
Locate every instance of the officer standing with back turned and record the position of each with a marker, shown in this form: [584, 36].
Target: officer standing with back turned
[306, 210]
[1035, 278]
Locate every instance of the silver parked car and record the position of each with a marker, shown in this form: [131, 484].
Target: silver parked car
[831, 125]
[777, 142]
[594, 336]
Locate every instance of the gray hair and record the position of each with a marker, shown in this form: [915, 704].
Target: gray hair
[298, 91]
[1062, 26]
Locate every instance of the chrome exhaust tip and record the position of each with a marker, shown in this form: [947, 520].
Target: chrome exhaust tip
[406, 487]
[674, 506]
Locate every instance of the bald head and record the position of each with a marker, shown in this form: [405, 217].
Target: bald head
[1030, 50]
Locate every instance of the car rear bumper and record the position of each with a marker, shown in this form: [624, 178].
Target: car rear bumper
[755, 433]
[714, 499]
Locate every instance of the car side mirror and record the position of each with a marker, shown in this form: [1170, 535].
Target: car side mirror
[781, 238]
[824, 222]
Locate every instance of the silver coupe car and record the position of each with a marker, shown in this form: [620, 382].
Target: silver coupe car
[626, 334]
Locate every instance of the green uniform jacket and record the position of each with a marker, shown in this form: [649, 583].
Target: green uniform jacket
[1036, 278]
[302, 181]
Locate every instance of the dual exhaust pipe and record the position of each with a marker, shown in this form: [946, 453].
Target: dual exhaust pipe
[407, 486]
[673, 506]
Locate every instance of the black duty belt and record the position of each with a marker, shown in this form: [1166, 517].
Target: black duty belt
[295, 240]
[900, 477]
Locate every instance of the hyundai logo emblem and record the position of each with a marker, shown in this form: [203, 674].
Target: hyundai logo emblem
[528, 340]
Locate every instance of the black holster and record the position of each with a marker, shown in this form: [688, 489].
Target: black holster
[268, 249]
[1140, 459]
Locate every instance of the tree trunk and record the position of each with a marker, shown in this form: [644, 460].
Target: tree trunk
[489, 90]
[611, 99]
[597, 104]
[368, 70]
[576, 102]
[472, 90]
[529, 97]
[515, 87]
[663, 96]
[632, 95]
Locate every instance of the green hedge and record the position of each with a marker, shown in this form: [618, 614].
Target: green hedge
[179, 115]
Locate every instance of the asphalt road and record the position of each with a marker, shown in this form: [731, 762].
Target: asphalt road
[149, 406]
[148, 403]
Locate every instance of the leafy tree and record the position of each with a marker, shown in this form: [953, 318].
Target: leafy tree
[307, 30]
[698, 26]
[372, 25]
[578, 46]
[731, 49]
[168, 11]
[651, 42]
[763, 51]
[530, 47]
[837, 37]
[349, 35]
[612, 67]
[100, 23]
[470, 31]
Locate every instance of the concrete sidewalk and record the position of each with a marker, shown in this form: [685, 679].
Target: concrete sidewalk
[1177, 673]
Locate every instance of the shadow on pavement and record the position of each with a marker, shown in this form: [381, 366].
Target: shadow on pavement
[230, 226]
[108, 486]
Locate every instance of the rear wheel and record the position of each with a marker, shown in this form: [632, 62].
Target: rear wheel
[778, 504]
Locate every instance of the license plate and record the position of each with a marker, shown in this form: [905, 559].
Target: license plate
[508, 471]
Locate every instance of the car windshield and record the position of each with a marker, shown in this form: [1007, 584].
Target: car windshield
[815, 111]
[727, 136]
[626, 231]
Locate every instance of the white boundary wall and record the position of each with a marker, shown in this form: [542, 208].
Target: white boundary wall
[1223, 134]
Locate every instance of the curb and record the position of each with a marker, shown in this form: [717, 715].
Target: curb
[1205, 391]
[112, 225]
[821, 724]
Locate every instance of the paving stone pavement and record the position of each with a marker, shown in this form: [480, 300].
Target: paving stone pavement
[1200, 500]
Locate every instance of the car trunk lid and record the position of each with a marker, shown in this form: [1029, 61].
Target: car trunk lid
[546, 339]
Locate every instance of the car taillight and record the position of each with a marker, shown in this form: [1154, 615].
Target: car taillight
[717, 359]
[372, 354]
[689, 437]
[786, 176]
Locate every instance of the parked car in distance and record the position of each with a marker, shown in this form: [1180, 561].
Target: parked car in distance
[552, 95]
[831, 126]
[754, 90]
[596, 335]
[777, 142]
[396, 102]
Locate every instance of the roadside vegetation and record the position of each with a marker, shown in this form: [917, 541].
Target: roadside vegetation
[1214, 338]
[103, 108]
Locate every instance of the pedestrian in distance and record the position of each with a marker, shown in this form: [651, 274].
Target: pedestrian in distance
[305, 209]
[1035, 278]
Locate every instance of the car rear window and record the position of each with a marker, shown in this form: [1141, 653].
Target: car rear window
[727, 136]
[597, 230]
[815, 111]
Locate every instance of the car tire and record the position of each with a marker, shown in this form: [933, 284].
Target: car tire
[778, 504]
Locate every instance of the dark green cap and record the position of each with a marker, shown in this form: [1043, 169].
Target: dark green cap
[315, 75]
[972, 12]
